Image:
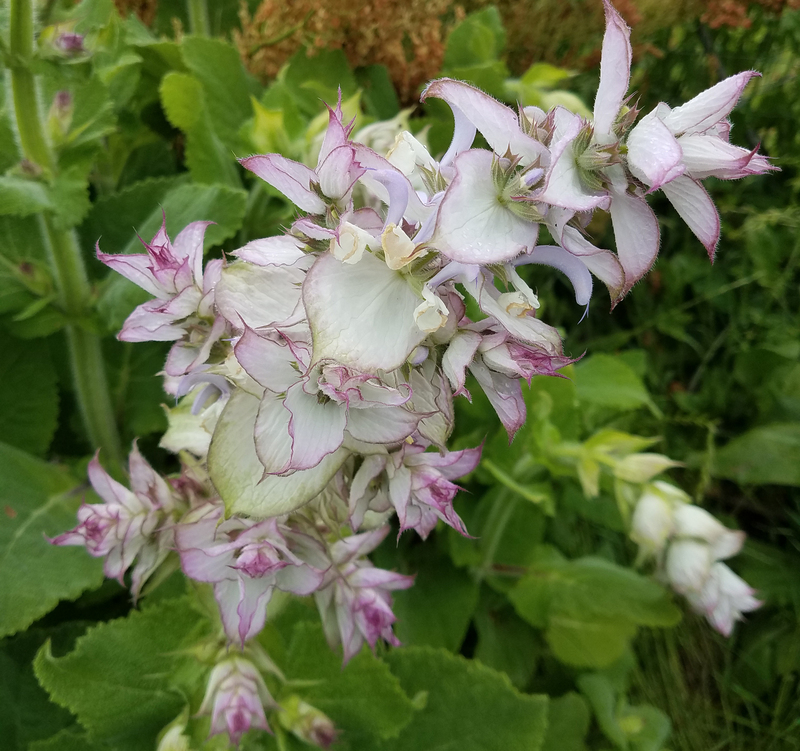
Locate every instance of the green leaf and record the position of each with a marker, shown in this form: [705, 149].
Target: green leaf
[26, 714]
[437, 610]
[119, 679]
[363, 699]
[218, 68]
[642, 728]
[588, 640]
[590, 607]
[479, 38]
[567, 723]
[208, 159]
[380, 98]
[115, 217]
[314, 79]
[764, 455]
[34, 575]
[70, 197]
[68, 739]
[93, 116]
[22, 197]
[469, 706]
[29, 397]
[505, 642]
[607, 381]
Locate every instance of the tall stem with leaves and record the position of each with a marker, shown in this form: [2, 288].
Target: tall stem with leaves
[86, 359]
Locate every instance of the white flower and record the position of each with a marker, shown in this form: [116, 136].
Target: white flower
[398, 247]
[431, 314]
[692, 521]
[724, 598]
[688, 565]
[652, 523]
[350, 243]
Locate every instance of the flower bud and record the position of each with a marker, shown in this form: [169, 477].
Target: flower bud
[69, 43]
[408, 152]
[308, 723]
[652, 523]
[642, 467]
[172, 737]
[235, 698]
[59, 118]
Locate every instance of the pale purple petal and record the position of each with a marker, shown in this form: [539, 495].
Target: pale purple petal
[636, 234]
[458, 356]
[282, 250]
[563, 186]
[338, 172]
[267, 359]
[136, 267]
[654, 155]
[710, 106]
[238, 475]
[189, 245]
[258, 296]
[498, 123]
[695, 207]
[273, 443]
[505, 395]
[710, 156]
[615, 70]
[572, 266]
[290, 178]
[361, 315]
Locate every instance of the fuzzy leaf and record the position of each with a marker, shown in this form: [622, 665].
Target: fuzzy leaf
[363, 699]
[768, 454]
[118, 680]
[22, 197]
[29, 397]
[34, 575]
[208, 159]
[469, 706]
[607, 381]
[590, 607]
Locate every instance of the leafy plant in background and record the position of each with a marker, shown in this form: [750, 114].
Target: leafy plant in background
[508, 598]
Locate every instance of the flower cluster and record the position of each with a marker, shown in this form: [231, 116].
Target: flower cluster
[317, 372]
[689, 544]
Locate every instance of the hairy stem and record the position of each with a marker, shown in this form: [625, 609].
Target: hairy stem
[198, 18]
[86, 359]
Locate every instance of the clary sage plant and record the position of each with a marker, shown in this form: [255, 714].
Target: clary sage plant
[315, 373]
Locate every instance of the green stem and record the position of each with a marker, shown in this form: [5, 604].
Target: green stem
[23, 85]
[86, 359]
[198, 18]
